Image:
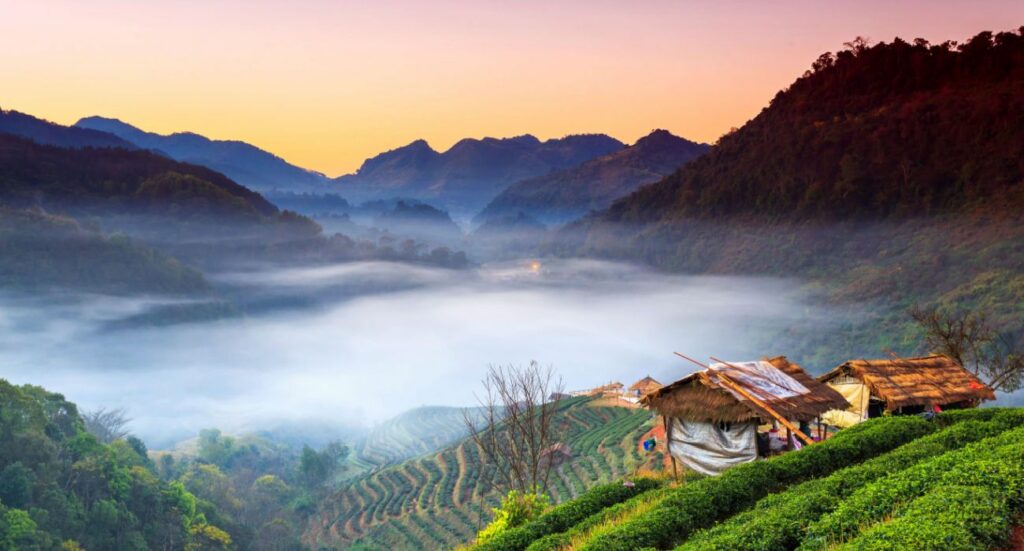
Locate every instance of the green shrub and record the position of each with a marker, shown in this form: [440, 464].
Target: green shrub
[889, 494]
[553, 542]
[953, 416]
[970, 508]
[516, 509]
[779, 520]
[699, 504]
[563, 516]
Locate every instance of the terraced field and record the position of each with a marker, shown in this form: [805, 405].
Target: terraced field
[952, 483]
[413, 433]
[440, 501]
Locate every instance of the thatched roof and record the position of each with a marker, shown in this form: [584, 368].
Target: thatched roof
[614, 386]
[701, 397]
[902, 382]
[645, 385]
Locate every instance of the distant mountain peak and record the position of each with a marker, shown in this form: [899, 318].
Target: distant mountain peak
[243, 162]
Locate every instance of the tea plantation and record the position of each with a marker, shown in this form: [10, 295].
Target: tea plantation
[441, 499]
[955, 482]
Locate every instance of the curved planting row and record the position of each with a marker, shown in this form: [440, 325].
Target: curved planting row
[443, 491]
[888, 495]
[971, 507]
[779, 521]
[699, 504]
[599, 521]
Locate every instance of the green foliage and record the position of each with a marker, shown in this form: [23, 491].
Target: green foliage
[779, 520]
[448, 495]
[516, 510]
[698, 504]
[970, 508]
[39, 249]
[318, 467]
[889, 176]
[890, 494]
[567, 514]
[61, 488]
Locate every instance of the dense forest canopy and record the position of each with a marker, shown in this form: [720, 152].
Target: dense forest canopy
[893, 129]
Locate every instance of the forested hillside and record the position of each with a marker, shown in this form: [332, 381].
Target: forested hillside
[888, 175]
[61, 489]
[40, 250]
[104, 181]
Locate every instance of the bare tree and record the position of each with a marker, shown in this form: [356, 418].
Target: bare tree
[516, 430]
[996, 358]
[107, 425]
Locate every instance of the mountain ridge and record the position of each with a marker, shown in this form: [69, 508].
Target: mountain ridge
[245, 163]
[468, 174]
[564, 195]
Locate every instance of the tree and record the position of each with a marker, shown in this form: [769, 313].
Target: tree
[106, 425]
[316, 467]
[517, 428]
[995, 357]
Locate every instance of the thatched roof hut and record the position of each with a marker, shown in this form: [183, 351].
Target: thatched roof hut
[644, 386]
[701, 396]
[711, 416]
[913, 382]
[612, 388]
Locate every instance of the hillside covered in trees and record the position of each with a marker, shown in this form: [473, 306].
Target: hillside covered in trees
[889, 175]
[62, 489]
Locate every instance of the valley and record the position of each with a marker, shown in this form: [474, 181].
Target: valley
[208, 347]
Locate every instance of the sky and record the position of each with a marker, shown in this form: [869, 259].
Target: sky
[327, 84]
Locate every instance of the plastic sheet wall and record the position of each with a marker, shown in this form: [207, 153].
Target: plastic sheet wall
[710, 448]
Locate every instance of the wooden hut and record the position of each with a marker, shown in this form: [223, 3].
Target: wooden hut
[902, 385]
[644, 387]
[711, 416]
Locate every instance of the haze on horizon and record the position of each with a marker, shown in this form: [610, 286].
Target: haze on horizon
[327, 84]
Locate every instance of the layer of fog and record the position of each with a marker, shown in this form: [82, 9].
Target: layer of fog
[385, 338]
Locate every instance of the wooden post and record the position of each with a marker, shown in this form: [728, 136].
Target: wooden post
[668, 440]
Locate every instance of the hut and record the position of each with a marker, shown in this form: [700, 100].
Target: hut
[902, 385]
[711, 416]
[613, 388]
[644, 387]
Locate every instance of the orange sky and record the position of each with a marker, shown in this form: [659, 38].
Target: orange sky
[326, 84]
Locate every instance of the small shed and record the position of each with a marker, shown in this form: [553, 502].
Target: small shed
[712, 421]
[644, 387]
[902, 385]
[613, 388]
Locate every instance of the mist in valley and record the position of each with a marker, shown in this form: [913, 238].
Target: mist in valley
[342, 347]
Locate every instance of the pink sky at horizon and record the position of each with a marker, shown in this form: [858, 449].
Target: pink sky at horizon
[326, 84]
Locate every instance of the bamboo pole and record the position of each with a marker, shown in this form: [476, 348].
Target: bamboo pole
[732, 384]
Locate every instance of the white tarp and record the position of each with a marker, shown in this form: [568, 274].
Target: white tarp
[858, 395]
[710, 448]
[762, 379]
